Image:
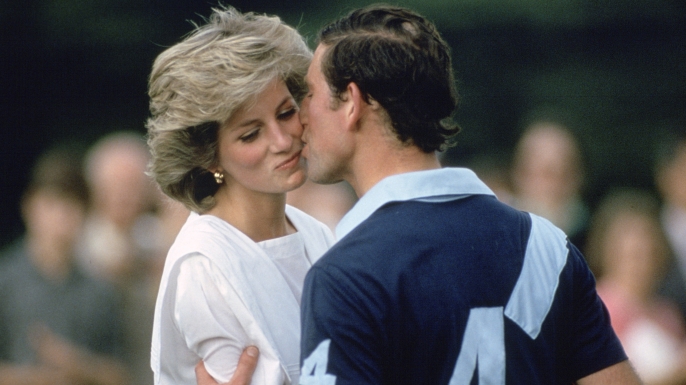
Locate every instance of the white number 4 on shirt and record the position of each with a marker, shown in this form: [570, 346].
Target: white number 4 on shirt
[313, 371]
[483, 341]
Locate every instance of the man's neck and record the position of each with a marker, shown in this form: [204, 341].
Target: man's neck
[379, 153]
[378, 162]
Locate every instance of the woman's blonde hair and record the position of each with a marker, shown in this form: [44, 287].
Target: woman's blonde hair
[196, 85]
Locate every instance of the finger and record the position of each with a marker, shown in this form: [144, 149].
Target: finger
[246, 367]
[202, 376]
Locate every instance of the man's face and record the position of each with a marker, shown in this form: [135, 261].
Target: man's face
[328, 148]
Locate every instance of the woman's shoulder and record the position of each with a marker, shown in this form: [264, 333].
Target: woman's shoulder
[200, 240]
[205, 231]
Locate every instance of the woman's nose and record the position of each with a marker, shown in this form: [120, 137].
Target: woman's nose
[282, 138]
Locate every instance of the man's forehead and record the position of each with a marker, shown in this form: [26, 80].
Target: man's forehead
[321, 47]
[314, 64]
[318, 55]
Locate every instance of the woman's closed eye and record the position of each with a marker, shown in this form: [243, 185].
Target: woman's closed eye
[250, 136]
[287, 114]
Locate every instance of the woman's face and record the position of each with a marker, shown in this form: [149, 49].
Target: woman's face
[634, 250]
[259, 146]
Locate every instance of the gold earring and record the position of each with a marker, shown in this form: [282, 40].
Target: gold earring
[219, 177]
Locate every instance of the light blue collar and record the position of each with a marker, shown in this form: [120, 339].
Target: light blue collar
[432, 185]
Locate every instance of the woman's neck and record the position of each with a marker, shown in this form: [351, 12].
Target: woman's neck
[260, 216]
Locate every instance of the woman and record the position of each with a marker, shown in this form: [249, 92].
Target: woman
[225, 140]
[628, 250]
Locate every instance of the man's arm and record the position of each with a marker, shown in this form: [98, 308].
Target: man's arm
[244, 371]
[341, 327]
[620, 374]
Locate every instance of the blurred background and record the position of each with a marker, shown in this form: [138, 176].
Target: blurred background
[616, 70]
[571, 109]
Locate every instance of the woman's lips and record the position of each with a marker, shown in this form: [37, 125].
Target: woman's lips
[290, 162]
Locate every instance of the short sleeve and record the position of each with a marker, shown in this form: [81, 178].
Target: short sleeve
[205, 318]
[340, 343]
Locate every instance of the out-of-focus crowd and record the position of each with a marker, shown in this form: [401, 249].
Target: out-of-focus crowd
[78, 289]
[634, 239]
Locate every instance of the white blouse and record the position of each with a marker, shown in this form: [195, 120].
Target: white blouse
[290, 257]
[221, 292]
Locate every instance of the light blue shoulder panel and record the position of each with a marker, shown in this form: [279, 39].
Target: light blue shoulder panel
[533, 294]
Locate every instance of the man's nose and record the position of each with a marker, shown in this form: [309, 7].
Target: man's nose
[304, 107]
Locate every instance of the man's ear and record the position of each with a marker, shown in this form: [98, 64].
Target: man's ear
[356, 104]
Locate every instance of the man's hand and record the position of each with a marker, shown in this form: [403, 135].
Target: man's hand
[242, 376]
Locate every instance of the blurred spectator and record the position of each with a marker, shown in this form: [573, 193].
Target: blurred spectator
[57, 326]
[670, 175]
[327, 203]
[629, 250]
[172, 215]
[492, 168]
[547, 177]
[120, 231]
[123, 242]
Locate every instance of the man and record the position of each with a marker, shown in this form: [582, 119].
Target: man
[432, 281]
[57, 325]
[548, 177]
[243, 374]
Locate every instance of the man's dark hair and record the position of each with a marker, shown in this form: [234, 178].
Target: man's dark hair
[399, 59]
[60, 170]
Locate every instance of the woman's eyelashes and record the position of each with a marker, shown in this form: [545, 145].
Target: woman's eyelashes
[250, 135]
[282, 116]
[287, 114]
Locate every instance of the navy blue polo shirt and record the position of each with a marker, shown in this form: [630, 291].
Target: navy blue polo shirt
[437, 282]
